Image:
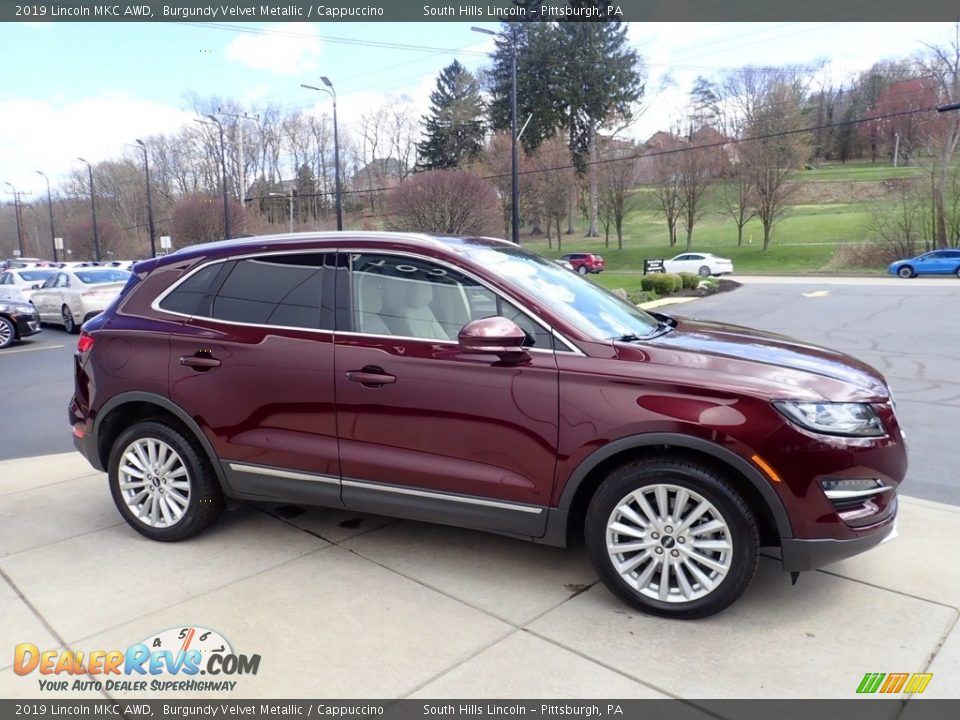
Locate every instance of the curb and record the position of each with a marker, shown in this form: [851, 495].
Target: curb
[665, 301]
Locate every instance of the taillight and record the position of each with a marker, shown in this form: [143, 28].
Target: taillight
[85, 343]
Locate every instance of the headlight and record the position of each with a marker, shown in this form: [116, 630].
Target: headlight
[849, 419]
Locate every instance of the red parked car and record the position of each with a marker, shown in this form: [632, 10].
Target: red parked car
[585, 263]
[470, 382]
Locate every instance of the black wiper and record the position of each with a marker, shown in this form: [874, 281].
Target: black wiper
[628, 338]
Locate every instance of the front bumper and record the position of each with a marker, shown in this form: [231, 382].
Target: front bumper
[27, 324]
[800, 555]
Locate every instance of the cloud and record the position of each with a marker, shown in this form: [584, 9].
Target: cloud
[48, 135]
[283, 49]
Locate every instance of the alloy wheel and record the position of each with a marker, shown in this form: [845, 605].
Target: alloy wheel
[6, 333]
[154, 483]
[669, 543]
[68, 323]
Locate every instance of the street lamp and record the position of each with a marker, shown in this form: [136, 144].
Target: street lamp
[53, 233]
[514, 151]
[16, 213]
[336, 143]
[223, 167]
[146, 168]
[290, 196]
[93, 209]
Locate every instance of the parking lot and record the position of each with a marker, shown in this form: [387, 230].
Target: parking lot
[343, 605]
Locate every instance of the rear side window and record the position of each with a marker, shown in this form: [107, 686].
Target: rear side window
[280, 290]
[186, 297]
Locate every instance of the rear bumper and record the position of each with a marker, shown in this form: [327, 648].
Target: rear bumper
[83, 440]
[800, 555]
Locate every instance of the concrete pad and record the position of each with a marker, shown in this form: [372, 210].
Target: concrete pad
[43, 515]
[945, 668]
[921, 561]
[328, 523]
[510, 579]
[87, 584]
[20, 625]
[327, 625]
[28, 473]
[526, 666]
[813, 640]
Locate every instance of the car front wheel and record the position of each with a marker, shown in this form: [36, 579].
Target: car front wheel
[8, 333]
[905, 272]
[162, 483]
[672, 537]
[704, 271]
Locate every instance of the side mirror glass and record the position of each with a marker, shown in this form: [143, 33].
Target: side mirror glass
[35, 287]
[494, 336]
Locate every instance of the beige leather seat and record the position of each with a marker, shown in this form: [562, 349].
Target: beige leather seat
[370, 293]
[408, 310]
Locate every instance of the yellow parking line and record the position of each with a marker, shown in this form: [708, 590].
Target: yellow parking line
[22, 350]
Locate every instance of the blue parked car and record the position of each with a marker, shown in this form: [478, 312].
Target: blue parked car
[937, 262]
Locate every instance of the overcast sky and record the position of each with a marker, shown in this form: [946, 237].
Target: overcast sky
[85, 89]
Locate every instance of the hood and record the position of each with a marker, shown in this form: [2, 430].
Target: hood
[756, 346]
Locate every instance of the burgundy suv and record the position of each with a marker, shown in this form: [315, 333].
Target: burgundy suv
[470, 382]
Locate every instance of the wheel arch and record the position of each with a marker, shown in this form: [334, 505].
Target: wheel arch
[129, 407]
[567, 517]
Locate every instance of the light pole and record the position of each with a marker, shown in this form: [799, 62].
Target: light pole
[290, 196]
[511, 38]
[93, 209]
[16, 213]
[146, 169]
[53, 233]
[223, 167]
[329, 89]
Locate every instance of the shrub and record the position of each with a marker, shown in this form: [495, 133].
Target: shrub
[641, 296]
[689, 281]
[647, 281]
[666, 283]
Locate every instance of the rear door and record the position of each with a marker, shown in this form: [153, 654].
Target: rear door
[253, 366]
[426, 431]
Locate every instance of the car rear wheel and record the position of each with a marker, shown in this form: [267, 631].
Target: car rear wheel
[582, 269]
[8, 333]
[704, 271]
[68, 323]
[672, 537]
[958, 272]
[905, 272]
[162, 483]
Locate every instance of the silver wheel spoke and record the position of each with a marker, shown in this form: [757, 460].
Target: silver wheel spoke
[669, 543]
[154, 482]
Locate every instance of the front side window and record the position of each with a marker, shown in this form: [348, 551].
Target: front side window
[51, 281]
[415, 298]
[596, 312]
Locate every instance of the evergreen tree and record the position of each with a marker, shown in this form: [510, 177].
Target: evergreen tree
[454, 129]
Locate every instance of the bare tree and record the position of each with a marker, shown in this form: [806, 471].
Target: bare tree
[697, 168]
[443, 201]
[737, 198]
[663, 168]
[616, 178]
[548, 186]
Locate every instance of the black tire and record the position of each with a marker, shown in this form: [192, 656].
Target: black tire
[711, 486]
[68, 322]
[205, 499]
[582, 269]
[905, 272]
[704, 271]
[958, 272]
[8, 333]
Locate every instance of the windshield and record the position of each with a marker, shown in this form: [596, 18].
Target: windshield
[98, 277]
[35, 275]
[595, 311]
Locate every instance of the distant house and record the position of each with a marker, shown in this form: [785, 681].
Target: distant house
[378, 173]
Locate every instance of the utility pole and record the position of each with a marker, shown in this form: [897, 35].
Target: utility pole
[896, 148]
[331, 91]
[53, 233]
[146, 168]
[243, 165]
[93, 208]
[16, 212]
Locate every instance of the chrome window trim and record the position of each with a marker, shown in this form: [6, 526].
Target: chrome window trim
[442, 496]
[480, 281]
[287, 474]
[155, 305]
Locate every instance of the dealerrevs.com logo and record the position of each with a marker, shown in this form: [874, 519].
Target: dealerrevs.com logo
[172, 660]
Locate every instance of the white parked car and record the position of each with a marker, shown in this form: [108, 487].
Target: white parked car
[18, 284]
[703, 264]
[71, 297]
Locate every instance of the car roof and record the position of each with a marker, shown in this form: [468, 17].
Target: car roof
[328, 239]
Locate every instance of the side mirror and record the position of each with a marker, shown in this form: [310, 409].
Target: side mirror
[35, 287]
[494, 336]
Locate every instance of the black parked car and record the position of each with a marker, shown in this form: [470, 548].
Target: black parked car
[17, 321]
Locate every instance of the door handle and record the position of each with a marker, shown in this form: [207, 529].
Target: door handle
[200, 362]
[371, 377]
